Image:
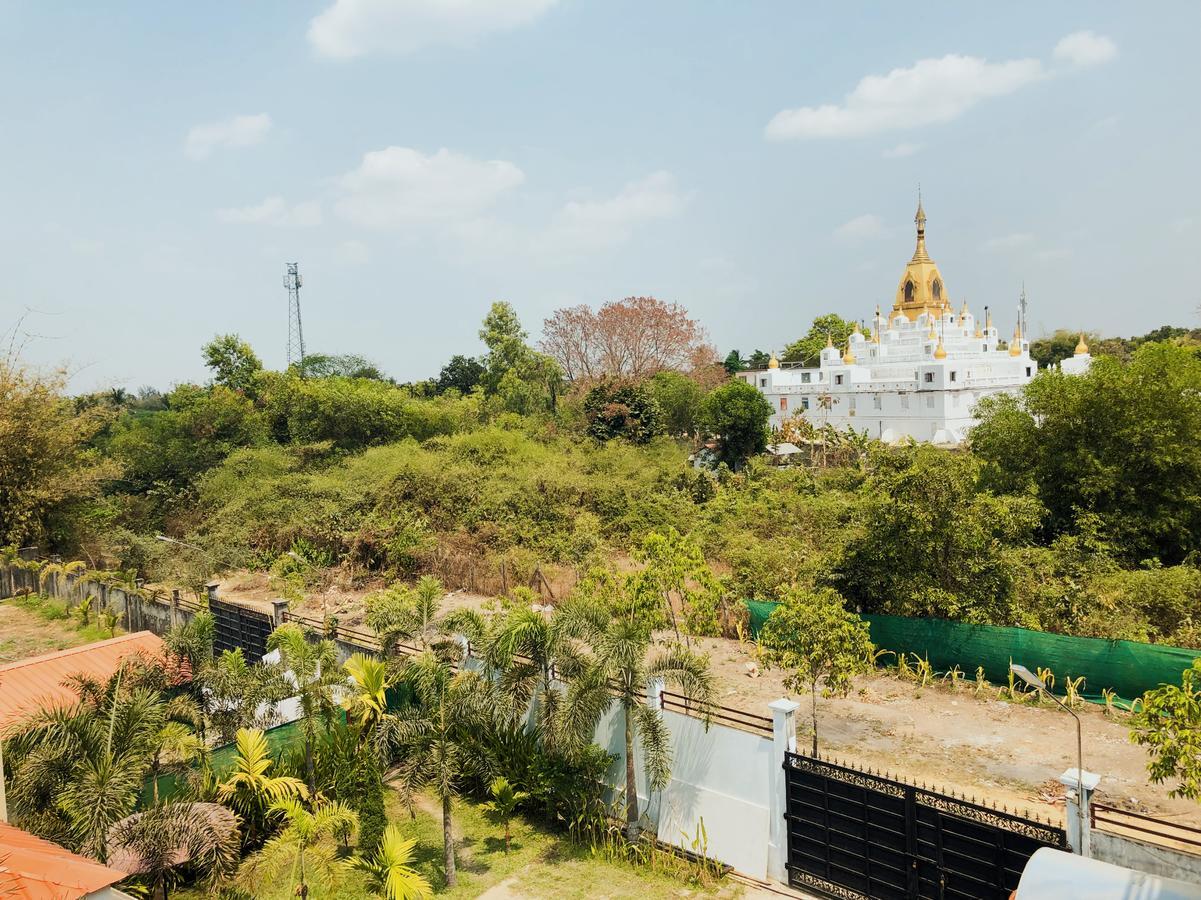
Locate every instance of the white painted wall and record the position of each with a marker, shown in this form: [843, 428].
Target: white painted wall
[722, 776]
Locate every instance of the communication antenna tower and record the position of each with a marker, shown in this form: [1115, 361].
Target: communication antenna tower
[292, 282]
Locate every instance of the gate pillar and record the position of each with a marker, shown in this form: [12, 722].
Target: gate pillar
[1077, 819]
[783, 714]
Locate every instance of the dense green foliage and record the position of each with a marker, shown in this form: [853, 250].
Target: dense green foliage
[622, 410]
[1169, 725]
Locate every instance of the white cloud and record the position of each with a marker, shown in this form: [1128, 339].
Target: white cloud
[1085, 48]
[1009, 241]
[928, 92]
[399, 185]
[901, 150]
[860, 227]
[240, 131]
[352, 253]
[353, 28]
[273, 211]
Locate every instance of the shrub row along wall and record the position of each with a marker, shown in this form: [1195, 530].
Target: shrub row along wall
[1127, 668]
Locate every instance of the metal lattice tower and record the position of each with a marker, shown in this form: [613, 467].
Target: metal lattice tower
[292, 282]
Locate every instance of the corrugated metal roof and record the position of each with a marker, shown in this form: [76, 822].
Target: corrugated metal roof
[37, 682]
[34, 869]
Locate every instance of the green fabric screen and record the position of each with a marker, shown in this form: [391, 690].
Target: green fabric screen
[1128, 668]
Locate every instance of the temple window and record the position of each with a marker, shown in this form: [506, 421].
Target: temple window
[908, 291]
[937, 289]
[929, 377]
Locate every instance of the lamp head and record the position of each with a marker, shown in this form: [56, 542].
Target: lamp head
[1027, 676]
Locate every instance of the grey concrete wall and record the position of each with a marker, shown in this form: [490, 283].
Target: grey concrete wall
[1150, 858]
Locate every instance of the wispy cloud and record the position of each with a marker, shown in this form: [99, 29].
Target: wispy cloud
[1085, 48]
[240, 131]
[352, 28]
[1009, 241]
[859, 228]
[273, 211]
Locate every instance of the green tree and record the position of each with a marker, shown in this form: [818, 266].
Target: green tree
[933, 540]
[166, 844]
[1122, 442]
[738, 413]
[314, 667]
[758, 360]
[233, 363]
[303, 852]
[618, 641]
[344, 365]
[462, 374]
[812, 634]
[251, 789]
[807, 350]
[1168, 724]
[615, 409]
[400, 613]
[390, 871]
[734, 363]
[680, 398]
[366, 703]
[525, 381]
[503, 803]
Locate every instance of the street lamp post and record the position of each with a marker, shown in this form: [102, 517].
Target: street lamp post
[1039, 685]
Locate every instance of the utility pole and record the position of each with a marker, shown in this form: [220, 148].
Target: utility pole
[292, 283]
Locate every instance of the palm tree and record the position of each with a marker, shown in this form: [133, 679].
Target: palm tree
[251, 789]
[154, 844]
[402, 613]
[314, 666]
[303, 848]
[618, 641]
[367, 703]
[389, 869]
[434, 736]
[504, 803]
[237, 690]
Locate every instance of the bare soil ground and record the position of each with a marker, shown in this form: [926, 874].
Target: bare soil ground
[978, 745]
[24, 634]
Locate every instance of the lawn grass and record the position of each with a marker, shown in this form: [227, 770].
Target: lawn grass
[541, 865]
[34, 624]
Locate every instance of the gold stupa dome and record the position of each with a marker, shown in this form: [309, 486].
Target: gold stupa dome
[940, 351]
[773, 363]
[1015, 346]
[1081, 348]
[921, 283]
[856, 329]
[848, 357]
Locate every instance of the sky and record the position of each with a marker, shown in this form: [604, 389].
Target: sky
[756, 162]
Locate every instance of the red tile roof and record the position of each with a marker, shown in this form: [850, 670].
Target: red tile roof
[37, 682]
[34, 869]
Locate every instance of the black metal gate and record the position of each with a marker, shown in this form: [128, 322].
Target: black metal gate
[237, 626]
[856, 834]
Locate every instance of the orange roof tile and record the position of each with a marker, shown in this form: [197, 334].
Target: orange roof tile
[34, 869]
[37, 682]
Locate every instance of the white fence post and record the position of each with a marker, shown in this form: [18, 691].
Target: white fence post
[1077, 819]
[783, 713]
[654, 693]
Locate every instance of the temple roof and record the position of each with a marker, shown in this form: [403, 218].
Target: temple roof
[921, 288]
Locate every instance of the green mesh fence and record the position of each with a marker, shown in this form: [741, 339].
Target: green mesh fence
[1127, 668]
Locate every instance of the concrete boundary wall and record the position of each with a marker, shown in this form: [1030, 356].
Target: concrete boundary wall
[1145, 857]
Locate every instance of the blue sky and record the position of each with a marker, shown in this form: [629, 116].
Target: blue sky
[422, 158]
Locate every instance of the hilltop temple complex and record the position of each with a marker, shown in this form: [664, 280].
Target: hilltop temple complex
[919, 372]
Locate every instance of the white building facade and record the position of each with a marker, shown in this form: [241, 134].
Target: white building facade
[918, 374]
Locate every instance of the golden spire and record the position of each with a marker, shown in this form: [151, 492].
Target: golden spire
[940, 351]
[1081, 348]
[773, 363]
[979, 333]
[1015, 346]
[829, 339]
[920, 254]
[963, 314]
[849, 357]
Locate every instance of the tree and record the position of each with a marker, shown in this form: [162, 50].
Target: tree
[251, 790]
[734, 363]
[401, 613]
[233, 363]
[807, 350]
[812, 634]
[738, 413]
[390, 871]
[622, 410]
[758, 360]
[236, 692]
[462, 374]
[366, 703]
[617, 640]
[314, 666]
[1168, 724]
[344, 365]
[434, 737]
[631, 338]
[504, 802]
[302, 848]
[1121, 442]
[504, 337]
[525, 381]
[676, 576]
[48, 468]
[680, 398]
[156, 844]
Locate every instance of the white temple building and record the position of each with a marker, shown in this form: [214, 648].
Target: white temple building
[920, 372]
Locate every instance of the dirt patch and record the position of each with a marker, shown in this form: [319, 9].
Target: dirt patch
[24, 634]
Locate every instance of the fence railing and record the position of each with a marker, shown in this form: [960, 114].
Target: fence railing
[1145, 828]
[723, 715]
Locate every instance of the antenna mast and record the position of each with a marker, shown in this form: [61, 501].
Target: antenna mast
[292, 282]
